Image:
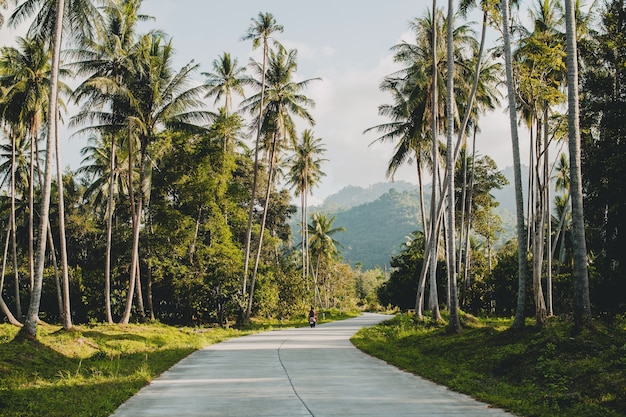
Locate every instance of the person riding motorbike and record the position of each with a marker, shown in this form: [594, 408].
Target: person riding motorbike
[312, 317]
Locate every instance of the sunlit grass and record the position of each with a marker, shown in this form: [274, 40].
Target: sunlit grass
[531, 372]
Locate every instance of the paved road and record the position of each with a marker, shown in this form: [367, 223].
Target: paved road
[296, 373]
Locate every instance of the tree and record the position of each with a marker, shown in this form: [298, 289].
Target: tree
[226, 79]
[305, 173]
[519, 320]
[107, 60]
[284, 100]
[322, 244]
[582, 302]
[259, 32]
[161, 97]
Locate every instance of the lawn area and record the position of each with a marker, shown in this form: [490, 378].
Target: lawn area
[92, 369]
[531, 372]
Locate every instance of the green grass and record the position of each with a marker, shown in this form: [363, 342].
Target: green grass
[90, 370]
[531, 372]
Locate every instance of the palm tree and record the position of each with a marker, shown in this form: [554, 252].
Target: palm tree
[582, 302]
[259, 32]
[226, 79]
[160, 98]
[49, 24]
[519, 320]
[322, 244]
[284, 99]
[3, 5]
[454, 324]
[108, 63]
[304, 174]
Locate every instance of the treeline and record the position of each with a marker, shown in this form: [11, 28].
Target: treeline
[176, 213]
[568, 256]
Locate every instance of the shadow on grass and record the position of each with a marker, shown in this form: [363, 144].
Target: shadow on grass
[36, 380]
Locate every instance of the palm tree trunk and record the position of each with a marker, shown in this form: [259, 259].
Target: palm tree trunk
[135, 210]
[67, 313]
[30, 325]
[518, 322]
[582, 302]
[18, 303]
[270, 180]
[255, 175]
[109, 234]
[3, 307]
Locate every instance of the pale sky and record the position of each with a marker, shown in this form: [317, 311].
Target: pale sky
[346, 43]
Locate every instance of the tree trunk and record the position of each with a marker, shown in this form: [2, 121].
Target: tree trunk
[109, 234]
[18, 303]
[519, 197]
[582, 302]
[256, 175]
[270, 180]
[67, 312]
[30, 325]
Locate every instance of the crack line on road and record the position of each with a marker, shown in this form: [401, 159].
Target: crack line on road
[280, 359]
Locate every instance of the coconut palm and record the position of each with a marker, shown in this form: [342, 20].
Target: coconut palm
[282, 99]
[51, 20]
[226, 79]
[3, 5]
[304, 174]
[519, 320]
[582, 302]
[107, 61]
[322, 244]
[160, 98]
[259, 32]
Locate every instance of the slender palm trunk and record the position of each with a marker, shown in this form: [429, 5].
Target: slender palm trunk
[3, 307]
[246, 266]
[18, 303]
[109, 234]
[270, 180]
[518, 322]
[582, 302]
[67, 312]
[30, 325]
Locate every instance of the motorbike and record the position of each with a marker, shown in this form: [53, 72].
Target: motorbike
[312, 321]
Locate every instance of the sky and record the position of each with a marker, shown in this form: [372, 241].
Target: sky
[346, 43]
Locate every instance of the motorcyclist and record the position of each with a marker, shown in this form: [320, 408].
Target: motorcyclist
[312, 316]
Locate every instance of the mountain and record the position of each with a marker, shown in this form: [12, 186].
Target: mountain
[352, 195]
[379, 218]
[375, 231]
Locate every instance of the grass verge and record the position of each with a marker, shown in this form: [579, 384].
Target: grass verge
[531, 372]
[90, 370]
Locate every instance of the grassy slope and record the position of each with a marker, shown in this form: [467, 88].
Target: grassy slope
[529, 372]
[91, 370]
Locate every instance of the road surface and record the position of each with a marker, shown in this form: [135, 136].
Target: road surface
[296, 373]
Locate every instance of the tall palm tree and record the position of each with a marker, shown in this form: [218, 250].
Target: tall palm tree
[49, 24]
[541, 67]
[259, 32]
[304, 174]
[582, 302]
[25, 74]
[454, 324]
[107, 61]
[519, 320]
[227, 78]
[3, 5]
[161, 98]
[322, 244]
[284, 100]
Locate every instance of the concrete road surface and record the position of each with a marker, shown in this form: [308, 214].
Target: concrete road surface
[297, 372]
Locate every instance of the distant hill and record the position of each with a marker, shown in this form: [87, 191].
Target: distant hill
[375, 231]
[352, 195]
[379, 218]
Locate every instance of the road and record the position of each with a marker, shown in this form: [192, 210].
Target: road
[296, 373]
